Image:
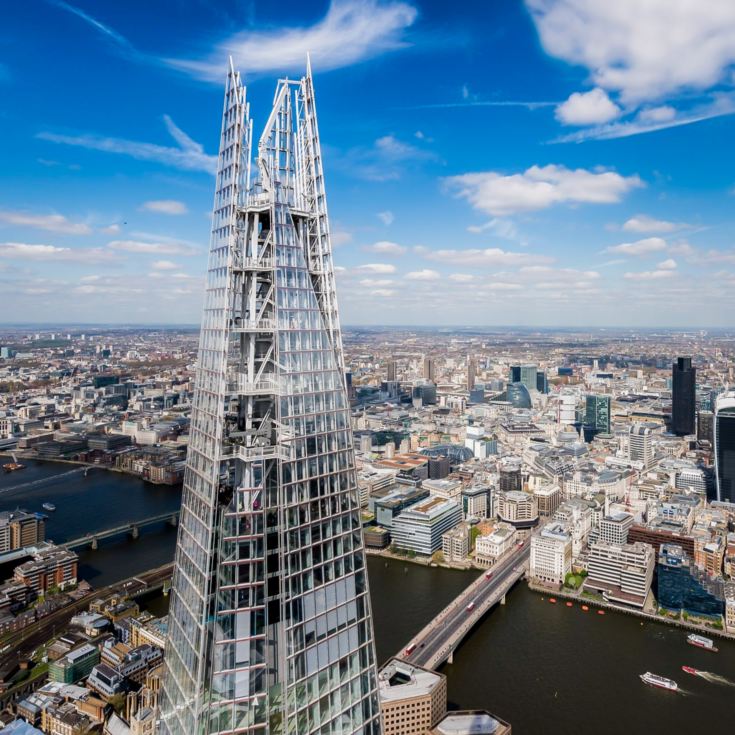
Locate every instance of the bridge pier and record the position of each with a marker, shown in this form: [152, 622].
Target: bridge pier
[502, 600]
[166, 587]
[174, 521]
[450, 659]
[94, 544]
[134, 532]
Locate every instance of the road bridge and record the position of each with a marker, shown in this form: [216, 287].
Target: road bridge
[132, 528]
[437, 642]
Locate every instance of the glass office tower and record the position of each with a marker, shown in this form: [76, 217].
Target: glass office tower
[683, 396]
[270, 627]
[725, 446]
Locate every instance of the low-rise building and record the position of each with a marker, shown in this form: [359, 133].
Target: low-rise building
[456, 543]
[518, 508]
[490, 547]
[75, 665]
[50, 567]
[621, 572]
[412, 699]
[420, 528]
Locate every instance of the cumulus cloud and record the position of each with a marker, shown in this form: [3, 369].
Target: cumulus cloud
[387, 217]
[378, 268]
[540, 187]
[650, 275]
[154, 248]
[376, 282]
[587, 108]
[164, 265]
[386, 160]
[38, 252]
[51, 222]
[352, 31]
[426, 274]
[667, 265]
[643, 50]
[486, 257]
[640, 247]
[461, 277]
[643, 223]
[165, 206]
[386, 248]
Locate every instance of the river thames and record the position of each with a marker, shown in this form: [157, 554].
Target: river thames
[545, 668]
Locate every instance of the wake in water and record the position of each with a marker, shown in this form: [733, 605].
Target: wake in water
[716, 678]
[42, 481]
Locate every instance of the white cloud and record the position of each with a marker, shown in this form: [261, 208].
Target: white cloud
[644, 223]
[155, 248]
[667, 265]
[386, 248]
[660, 114]
[387, 217]
[26, 251]
[650, 275]
[500, 227]
[539, 187]
[426, 274]
[378, 268]
[165, 206]
[351, 31]
[640, 247]
[461, 277]
[645, 50]
[503, 286]
[587, 108]
[486, 257]
[189, 155]
[164, 265]
[558, 274]
[51, 222]
[340, 237]
[383, 293]
[110, 230]
[376, 282]
[386, 160]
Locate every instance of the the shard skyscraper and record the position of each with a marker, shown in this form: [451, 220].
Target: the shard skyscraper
[270, 629]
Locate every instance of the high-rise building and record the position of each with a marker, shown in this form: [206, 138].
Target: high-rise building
[471, 373]
[725, 446]
[429, 369]
[597, 413]
[542, 382]
[526, 374]
[270, 628]
[640, 447]
[392, 371]
[683, 396]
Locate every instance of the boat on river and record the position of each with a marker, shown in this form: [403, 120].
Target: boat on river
[661, 682]
[49, 507]
[701, 642]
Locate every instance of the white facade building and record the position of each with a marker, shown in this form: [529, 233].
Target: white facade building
[551, 554]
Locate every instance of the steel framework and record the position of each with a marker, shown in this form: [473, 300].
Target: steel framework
[270, 627]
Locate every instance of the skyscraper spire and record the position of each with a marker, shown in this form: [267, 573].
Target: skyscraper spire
[270, 622]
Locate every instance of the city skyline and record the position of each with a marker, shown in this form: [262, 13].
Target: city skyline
[572, 204]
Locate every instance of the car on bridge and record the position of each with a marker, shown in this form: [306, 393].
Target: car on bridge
[488, 575]
[471, 606]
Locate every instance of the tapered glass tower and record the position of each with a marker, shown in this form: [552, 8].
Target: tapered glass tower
[270, 629]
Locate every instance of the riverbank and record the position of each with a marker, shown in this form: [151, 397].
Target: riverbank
[424, 561]
[651, 617]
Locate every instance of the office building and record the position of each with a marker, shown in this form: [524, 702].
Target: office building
[20, 529]
[75, 665]
[542, 382]
[412, 699]
[551, 554]
[510, 477]
[640, 447]
[517, 508]
[420, 528]
[597, 414]
[518, 396]
[269, 558]
[725, 447]
[50, 566]
[614, 528]
[476, 502]
[471, 722]
[471, 374]
[706, 426]
[526, 374]
[429, 369]
[456, 543]
[392, 371]
[621, 572]
[491, 546]
[682, 586]
[683, 396]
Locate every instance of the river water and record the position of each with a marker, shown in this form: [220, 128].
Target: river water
[545, 668]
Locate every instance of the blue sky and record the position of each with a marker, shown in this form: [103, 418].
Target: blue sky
[547, 162]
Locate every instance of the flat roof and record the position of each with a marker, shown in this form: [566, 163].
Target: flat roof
[469, 723]
[401, 680]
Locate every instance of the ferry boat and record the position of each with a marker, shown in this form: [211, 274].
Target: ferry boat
[49, 507]
[701, 642]
[690, 670]
[659, 681]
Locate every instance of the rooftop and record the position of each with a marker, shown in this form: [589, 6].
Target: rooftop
[471, 723]
[401, 680]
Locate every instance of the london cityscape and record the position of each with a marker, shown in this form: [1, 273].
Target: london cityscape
[426, 426]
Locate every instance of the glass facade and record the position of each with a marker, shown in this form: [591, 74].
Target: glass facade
[270, 621]
[597, 414]
[681, 586]
[725, 448]
[683, 396]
